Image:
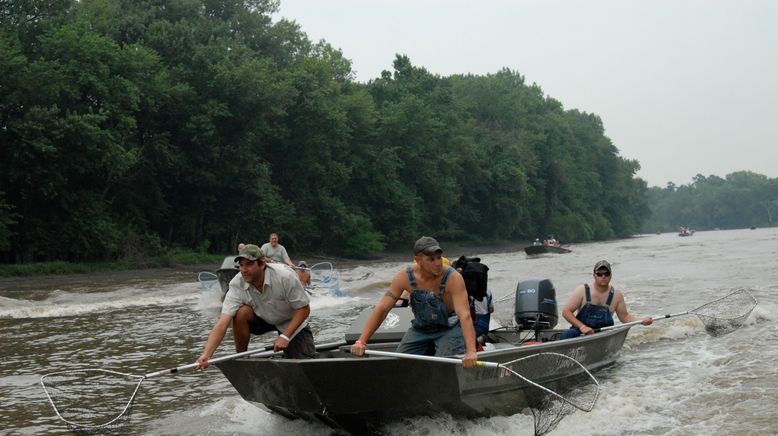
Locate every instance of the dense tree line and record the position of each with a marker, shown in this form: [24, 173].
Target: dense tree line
[740, 200]
[132, 126]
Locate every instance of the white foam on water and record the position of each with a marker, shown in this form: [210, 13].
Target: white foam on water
[519, 424]
[329, 300]
[234, 416]
[63, 303]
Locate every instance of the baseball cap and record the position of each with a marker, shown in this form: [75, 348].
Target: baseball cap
[427, 245]
[602, 264]
[249, 252]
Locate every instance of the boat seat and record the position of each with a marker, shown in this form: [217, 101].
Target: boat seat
[500, 345]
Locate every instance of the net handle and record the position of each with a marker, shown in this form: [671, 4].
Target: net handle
[331, 268]
[491, 365]
[259, 352]
[640, 321]
[428, 358]
[688, 312]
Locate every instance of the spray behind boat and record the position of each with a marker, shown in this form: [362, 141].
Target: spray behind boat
[535, 305]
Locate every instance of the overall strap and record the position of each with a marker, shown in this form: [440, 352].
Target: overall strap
[588, 294]
[442, 287]
[610, 296]
[411, 278]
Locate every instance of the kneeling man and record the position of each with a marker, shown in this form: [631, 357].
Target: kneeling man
[264, 297]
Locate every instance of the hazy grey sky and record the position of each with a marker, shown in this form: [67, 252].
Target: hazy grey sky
[682, 86]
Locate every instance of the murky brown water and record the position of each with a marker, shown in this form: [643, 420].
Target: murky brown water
[670, 378]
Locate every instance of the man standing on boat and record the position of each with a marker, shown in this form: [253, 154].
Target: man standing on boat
[275, 252]
[442, 325]
[264, 297]
[596, 302]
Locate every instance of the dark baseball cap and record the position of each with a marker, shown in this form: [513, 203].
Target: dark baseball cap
[602, 264]
[249, 252]
[426, 245]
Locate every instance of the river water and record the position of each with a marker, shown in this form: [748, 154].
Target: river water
[670, 378]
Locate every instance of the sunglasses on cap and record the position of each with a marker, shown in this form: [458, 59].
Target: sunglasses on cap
[602, 273]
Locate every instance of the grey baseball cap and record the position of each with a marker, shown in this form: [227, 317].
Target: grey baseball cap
[602, 264]
[426, 245]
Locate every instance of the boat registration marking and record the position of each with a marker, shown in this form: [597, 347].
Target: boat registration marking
[391, 321]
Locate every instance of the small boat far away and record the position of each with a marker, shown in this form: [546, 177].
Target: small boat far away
[533, 250]
[685, 231]
[549, 245]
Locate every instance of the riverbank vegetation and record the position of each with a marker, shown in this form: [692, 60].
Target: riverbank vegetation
[740, 200]
[174, 258]
[133, 127]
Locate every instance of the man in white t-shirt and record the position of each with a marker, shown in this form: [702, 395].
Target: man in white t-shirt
[264, 297]
[275, 252]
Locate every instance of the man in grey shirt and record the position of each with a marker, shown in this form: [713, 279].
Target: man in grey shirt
[276, 252]
[264, 297]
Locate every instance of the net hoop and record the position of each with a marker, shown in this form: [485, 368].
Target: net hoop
[727, 313]
[586, 408]
[80, 426]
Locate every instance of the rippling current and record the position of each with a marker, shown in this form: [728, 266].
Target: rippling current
[669, 379]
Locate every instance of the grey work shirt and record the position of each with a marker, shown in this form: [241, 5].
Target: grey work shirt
[282, 294]
[278, 254]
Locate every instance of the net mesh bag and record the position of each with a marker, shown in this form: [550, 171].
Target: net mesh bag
[727, 313]
[555, 386]
[92, 401]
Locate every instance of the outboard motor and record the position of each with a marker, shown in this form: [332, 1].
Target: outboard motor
[535, 304]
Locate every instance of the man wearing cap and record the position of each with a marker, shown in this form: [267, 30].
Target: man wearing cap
[596, 302]
[303, 273]
[442, 325]
[264, 297]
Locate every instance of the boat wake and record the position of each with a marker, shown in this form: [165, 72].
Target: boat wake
[63, 303]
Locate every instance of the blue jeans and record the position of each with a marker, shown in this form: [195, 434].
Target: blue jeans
[436, 342]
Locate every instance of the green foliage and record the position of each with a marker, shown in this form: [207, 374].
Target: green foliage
[180, 256]
[742, 199]
[62, 267]
[7, 220]
[359, 238]
[129, 127]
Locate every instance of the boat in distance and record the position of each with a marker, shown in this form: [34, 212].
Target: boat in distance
[533, 250]
[359, 394]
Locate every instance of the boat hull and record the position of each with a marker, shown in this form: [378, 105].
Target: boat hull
[225, 273]
[361, 393]
[539, 249]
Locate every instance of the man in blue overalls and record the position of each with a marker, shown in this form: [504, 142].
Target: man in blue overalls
[442, 325]
[596, 302]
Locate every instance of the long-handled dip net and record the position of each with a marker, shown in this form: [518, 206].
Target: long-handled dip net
[207, 280]
[727, 313]
[552, 385]
[720, 316]
[92, 401]
[98, 401]
[326, 278]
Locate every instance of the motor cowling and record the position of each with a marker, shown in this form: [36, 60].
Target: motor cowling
[536, 306]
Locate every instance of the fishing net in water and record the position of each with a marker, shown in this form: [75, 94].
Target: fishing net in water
[92, 401]
[555, 386]
[325, 277]
[727, 313]
[207, 280]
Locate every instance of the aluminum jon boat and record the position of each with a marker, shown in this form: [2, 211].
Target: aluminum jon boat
[534, 250]
[358, 394]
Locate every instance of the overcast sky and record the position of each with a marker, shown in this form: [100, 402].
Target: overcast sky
[685, 87]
